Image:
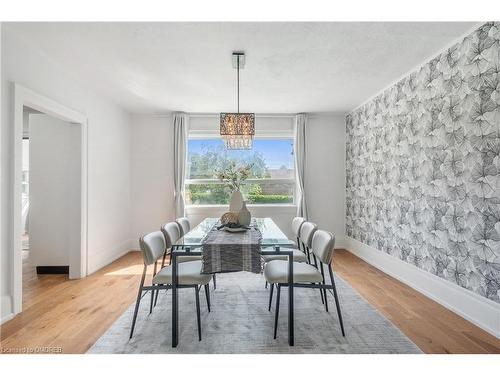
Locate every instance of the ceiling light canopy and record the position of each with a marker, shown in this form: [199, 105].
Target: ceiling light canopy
[237, 129]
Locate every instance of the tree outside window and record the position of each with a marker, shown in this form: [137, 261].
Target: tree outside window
[271, 179]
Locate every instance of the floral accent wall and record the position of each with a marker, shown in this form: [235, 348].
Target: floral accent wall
[423, 166]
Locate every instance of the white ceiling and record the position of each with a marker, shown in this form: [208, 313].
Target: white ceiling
[291, 67]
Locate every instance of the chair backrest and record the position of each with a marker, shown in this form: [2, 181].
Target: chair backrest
[307, 230]
[171, 232]
[184, 225]
[296, 224]
[323, 244]
[152, 246]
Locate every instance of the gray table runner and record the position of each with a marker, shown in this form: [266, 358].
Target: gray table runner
[230, 252]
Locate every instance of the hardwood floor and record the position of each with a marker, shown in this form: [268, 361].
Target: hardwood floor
[70, 315]
[432, 327]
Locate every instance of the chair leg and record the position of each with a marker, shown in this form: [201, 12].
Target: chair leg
[321, 295]
[326, 302]
[156, 296]
[197, 295]
[163, 260]
[153, 292]
[270, 297]
[266, 284]
[215, 282]
[324, 290]
[137, 302]
[337, 303]
[320, 291]
[152, 299]
[306, 251]
[207, 295]
[277, 309]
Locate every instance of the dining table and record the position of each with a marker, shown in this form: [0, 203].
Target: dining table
[273, 240]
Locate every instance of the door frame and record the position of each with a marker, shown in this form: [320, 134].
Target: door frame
[29, 98]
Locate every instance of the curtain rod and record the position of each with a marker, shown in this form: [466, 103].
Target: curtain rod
[276, 115]
[310, 115]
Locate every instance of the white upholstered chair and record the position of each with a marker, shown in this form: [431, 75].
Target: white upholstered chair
[184, 225]
[298, 254]
[153, 247]
[172, 233]
[296, 224]
[307, 275]
[305, 232]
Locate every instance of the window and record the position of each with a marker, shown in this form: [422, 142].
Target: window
[271, 181]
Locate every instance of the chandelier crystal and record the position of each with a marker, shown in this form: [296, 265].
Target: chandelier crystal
[237, 129]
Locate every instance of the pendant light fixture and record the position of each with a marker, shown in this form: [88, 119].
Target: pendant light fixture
[237, 129]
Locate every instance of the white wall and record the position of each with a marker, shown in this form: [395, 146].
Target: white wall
[5, 298]
[152, 174]
[55, 169]
[325, 175]
[109, 207]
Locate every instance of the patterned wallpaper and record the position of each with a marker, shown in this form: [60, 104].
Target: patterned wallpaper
[423, 166]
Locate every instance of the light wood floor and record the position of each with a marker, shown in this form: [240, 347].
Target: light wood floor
[73, 314]
[432, 327]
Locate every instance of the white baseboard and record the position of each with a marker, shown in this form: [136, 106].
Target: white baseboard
[6, 318]
[6, 308]
[110, 257]
[477, 309]
[340, 242]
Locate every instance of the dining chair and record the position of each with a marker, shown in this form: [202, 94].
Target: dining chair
[184, 225]
[305, 234]
[153, 247]
[307, 275]
[172, 233]
[298, 255]
[296, 224]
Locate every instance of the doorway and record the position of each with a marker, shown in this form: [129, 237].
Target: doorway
[50, 189]
[50, 197]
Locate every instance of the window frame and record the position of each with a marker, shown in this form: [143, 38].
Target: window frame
[215, 181]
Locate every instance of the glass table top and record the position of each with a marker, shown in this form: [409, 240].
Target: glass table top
[271, 233]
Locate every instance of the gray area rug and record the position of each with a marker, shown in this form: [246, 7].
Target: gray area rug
[240, 323]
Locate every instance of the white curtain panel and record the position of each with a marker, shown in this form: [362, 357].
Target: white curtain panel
[300, 163]
[180, 149]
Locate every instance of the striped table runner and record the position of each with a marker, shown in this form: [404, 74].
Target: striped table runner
[230, 252]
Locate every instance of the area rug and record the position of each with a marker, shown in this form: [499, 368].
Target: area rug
[240, 323]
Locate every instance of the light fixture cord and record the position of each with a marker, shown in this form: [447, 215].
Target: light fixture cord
[238, 80]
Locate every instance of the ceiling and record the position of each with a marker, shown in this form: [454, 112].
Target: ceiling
[291, 67]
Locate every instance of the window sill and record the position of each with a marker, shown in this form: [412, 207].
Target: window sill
[285, 207]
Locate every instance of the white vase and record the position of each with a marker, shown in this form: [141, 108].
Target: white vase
[244, 216]
[236, 201]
